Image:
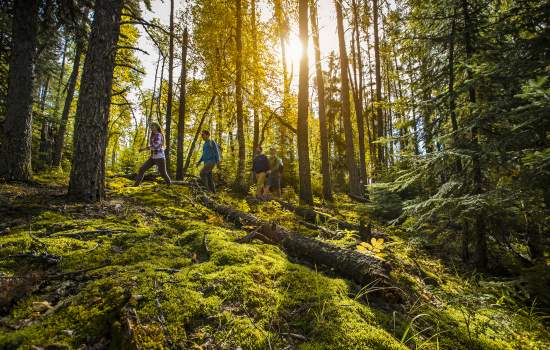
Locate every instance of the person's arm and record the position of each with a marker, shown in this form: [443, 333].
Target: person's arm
[146, 148]
[201, 158]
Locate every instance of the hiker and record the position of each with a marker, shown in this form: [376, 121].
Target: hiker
[210, 157]
[275, 172]
[156, 143]
[260, 167]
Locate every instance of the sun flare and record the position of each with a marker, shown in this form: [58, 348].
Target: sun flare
[293, 51]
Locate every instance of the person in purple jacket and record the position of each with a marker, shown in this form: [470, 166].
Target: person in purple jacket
[156, 144]
[210, 157]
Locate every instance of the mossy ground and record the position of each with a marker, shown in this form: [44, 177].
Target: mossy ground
[168, 273]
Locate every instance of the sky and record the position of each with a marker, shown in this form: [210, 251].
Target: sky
[161, 10]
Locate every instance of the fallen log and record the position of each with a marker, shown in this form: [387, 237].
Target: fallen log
[315, 216]
[357, 198]
[323, 231]
[358, 267]
[155, 176]
[88, 235]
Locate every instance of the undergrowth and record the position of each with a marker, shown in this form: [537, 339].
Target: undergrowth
[150, 268]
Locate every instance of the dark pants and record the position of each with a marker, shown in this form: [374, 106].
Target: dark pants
[206, 176]
[161, 166]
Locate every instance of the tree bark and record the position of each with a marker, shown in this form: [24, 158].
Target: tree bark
[240, 180]
[378, 78]
[44, 148]
[359, 98]
[370, 121]
[15, 156]
[87, 181]
[71, 85]
[354, 185]
[303, 109]
[479, 224]
[159, 97]
[325, 161]
[168, 126]
[58, 91]
[283, 30]
[256, 92]
[181, 113]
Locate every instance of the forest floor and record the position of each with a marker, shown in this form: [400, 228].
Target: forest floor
[152, 268]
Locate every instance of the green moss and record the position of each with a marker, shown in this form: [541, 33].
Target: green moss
[175, 260]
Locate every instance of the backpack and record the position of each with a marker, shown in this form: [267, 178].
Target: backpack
[281, 167]
[213, 144]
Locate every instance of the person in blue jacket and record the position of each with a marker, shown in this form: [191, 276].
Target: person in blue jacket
[210, 157]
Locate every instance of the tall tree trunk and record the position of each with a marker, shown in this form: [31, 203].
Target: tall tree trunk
[479, 225]
[452, 97]
[303, 108]
[168, 126]
[60, 137]
[240, 180]
[378, 77]
[370, 110]
[159, 97]
[283, 31]
[181, 114]
[256, 92]
[354, 185]
[87, 181]
[359, 100]
[220, 105]
[15, 157]
[151, 104]
[44, 148]
[413, 107]
[389, 111]
[325, 161]
[197, 133]
[58, 91]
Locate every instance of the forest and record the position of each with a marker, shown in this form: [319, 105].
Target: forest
[317, 174]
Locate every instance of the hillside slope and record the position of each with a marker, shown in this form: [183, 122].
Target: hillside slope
[152, 268]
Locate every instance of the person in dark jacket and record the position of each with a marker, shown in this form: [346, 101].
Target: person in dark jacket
[260, 167]
[210, 157]
[275, 173]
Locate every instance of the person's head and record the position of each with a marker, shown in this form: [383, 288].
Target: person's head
[155, 127]
[205, 135]
[259, 150]
[272, 151]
